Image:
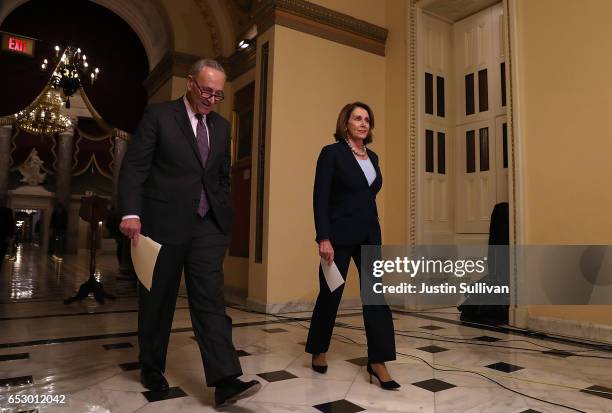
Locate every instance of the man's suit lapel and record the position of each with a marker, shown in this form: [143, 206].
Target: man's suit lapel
[185, 125]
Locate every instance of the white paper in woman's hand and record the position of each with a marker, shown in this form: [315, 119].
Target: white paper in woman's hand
[332, 275]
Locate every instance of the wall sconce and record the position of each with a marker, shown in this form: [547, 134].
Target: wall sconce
[248, 38]
[244, 44]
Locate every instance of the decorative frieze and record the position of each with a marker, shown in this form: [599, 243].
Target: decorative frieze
[322, 22]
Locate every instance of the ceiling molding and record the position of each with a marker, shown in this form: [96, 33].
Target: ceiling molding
[178, 64]
[322, 22]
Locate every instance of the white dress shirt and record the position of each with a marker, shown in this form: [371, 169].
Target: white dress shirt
[368, 170]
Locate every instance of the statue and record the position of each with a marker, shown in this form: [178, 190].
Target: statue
[31, 169]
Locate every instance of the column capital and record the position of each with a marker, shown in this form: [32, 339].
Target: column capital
[70, 130]
[7, 121]
[121, 134]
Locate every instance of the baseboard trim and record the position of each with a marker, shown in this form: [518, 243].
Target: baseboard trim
[294, 306]
[579, 330]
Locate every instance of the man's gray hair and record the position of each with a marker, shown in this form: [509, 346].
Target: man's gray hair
[202, 63]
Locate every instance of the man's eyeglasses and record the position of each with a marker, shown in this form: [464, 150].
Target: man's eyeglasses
[207, 92]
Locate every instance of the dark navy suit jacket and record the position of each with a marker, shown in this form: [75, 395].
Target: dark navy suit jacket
[344, 204]
[162, 173]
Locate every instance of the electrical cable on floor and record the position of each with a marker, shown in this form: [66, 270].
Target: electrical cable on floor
[478, 343]
[468, 341]
[455, 369]
[604, 347]
[283, 319]
[607, 347]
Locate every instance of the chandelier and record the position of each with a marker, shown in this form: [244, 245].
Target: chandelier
[43, 116]
[69, 71]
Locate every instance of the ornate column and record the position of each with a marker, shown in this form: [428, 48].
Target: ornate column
[6, 128]
[123, 243]
[121, 141]
[64, 166]
[63, 239]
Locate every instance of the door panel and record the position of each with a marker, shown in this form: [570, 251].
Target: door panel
[501, 139]
[476, 176]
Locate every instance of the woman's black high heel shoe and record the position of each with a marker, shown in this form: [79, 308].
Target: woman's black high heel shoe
[319, 369]
[386, 385]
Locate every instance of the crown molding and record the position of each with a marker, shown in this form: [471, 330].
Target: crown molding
[178, 64]
[322, 22]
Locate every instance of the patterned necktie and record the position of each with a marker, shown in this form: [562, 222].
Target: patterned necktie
[202, 139]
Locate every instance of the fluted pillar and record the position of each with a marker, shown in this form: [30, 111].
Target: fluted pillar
[64, 167]
[123, 243]
[6, 129]
[121, 140]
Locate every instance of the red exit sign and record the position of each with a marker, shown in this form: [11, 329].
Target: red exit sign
[17, 44]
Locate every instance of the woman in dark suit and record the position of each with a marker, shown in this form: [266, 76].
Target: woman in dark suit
[346, 183]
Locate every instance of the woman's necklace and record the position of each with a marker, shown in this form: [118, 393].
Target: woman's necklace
[357, 152]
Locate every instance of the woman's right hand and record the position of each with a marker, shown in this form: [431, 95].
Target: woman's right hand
[326, 251]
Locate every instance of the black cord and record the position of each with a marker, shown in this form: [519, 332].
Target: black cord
[494, 381]
[348, 326]
[447, 339]
[544, 336]
[603, 346]
[479, 343]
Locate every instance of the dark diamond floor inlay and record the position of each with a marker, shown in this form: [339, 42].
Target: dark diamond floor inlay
[115, 346]
[171, 393]
[600, 391]
[273, 376]
[16, 381]
[432, 327]
[530, 411]
[339, 406]
[130, 366]
[359, 361]
[17, 356]
[558, 353]
[434, 385]
[274, 330]
[488, 339]
[432, 349]
[504, 367]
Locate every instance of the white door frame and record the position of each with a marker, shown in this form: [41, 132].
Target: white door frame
[516, 180]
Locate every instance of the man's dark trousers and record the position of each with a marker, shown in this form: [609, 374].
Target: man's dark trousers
[202, 259]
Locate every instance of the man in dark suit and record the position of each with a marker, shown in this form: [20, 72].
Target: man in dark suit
[174, 186]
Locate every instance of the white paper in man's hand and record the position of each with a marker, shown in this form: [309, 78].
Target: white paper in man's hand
[144, 257]
[332, 275]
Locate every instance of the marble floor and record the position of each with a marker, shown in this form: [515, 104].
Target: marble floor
[82, 357]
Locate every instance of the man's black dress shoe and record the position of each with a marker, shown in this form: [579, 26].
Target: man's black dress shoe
[234, 390]
[153, 380]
